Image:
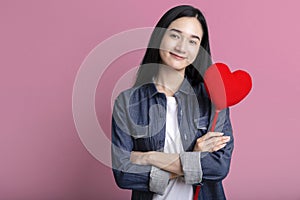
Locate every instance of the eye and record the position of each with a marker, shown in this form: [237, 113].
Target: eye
[193, 42]
[175, 36]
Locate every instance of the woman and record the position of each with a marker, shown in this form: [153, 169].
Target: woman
[161, 144]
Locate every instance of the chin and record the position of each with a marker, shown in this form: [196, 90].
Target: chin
[178, 67]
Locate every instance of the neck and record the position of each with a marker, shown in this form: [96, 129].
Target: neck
[168, 80]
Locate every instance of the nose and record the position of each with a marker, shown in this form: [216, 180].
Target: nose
[180, 46]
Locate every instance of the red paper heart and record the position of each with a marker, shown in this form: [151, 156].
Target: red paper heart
[225, 88]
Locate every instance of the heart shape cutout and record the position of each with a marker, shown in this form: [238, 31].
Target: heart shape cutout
[225, 88]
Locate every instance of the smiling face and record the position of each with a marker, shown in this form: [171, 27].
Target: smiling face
[181, 42]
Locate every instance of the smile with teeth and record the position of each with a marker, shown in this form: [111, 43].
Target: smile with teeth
[177, 56]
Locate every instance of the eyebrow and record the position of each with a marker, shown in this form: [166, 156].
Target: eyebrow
[178, 31]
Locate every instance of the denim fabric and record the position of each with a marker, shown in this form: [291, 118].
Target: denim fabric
[138, 124]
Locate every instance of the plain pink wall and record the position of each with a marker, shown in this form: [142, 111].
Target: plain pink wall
[42, 45]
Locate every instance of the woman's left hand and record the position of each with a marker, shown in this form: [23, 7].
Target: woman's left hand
[210, 142]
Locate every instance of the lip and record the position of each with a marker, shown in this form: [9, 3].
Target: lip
[177, 56]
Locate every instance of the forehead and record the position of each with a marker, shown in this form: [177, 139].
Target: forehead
[187, 25]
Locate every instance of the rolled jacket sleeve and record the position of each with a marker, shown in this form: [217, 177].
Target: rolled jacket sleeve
[159, 180]
[191, 167]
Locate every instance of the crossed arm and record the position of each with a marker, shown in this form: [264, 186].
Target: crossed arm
[210, 142]
[138, 170]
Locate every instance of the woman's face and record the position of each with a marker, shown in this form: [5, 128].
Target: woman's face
[180, 44]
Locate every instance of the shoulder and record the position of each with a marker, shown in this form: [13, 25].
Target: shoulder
[135, 94]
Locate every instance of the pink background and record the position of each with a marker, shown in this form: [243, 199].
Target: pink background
[42, 45]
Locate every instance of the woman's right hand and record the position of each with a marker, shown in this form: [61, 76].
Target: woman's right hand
[211, 141]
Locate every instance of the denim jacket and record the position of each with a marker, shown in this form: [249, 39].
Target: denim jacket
[138, 124]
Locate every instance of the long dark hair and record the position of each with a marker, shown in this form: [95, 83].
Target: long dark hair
[151, 60]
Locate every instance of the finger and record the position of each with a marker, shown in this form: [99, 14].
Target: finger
[210, 142]
[221, 143]
[226, 138]
[212, 134]
[215, 142]
[220, 138]
[217, 148]
[208, 145]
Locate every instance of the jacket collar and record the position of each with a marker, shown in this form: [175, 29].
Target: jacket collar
[185, 88]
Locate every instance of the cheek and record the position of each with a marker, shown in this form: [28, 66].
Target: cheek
[193, 52]
[167, 44]
[162, 53]
[163, 56]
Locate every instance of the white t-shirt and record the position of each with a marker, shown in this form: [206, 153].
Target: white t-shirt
[176, 189]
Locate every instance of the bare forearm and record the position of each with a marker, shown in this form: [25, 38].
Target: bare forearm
[166, 161]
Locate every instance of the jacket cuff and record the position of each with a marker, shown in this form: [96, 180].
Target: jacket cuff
[159, 180]
[191, 167]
